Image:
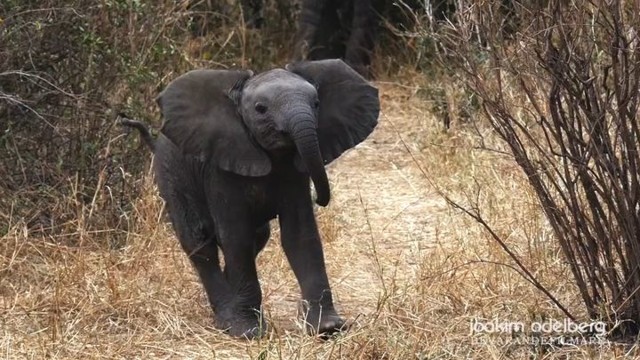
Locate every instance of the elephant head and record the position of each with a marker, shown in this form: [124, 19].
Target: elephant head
[244, 122]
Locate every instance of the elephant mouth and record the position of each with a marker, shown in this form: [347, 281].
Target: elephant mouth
[284, 141]
[271, 139]
[281, 143]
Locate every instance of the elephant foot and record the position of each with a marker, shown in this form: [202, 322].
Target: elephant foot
[247, 326]
[323, 321]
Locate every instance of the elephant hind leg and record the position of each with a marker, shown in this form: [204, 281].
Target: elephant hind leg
[199, 235]
[197, 238]
[222, 289]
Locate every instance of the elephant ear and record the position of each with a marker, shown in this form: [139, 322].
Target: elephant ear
[349, 105]
[200, 117]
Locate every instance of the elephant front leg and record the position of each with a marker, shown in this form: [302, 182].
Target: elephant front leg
[302, 246]
[240, 314]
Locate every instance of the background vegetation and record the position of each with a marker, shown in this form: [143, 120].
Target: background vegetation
[501, 183]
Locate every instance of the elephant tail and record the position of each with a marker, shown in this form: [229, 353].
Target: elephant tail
[145, 134]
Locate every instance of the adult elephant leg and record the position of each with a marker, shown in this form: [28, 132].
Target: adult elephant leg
[318, 31]
[302, 246]
[331, 36]
[262, 237]
[362, 38]
[241, 315]
[252, 13]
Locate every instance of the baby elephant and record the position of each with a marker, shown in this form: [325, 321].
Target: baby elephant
[235, 151]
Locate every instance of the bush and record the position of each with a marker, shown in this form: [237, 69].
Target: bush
[70, 68]
[563, 93]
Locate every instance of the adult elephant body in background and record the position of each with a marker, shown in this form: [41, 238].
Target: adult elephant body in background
[237, 150]
[343, 29]
[348, 29]
[327, 29]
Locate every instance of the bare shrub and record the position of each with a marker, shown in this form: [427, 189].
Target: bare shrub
[68, 67]
[562, 91]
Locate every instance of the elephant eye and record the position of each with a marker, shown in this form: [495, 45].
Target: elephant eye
[261, 108]
[316, 104]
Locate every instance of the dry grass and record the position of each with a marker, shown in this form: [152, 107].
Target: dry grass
[410, 273]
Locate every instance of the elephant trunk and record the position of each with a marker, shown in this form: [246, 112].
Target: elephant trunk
[305, 136]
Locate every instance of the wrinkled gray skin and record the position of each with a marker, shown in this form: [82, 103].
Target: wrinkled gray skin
[238, 150]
